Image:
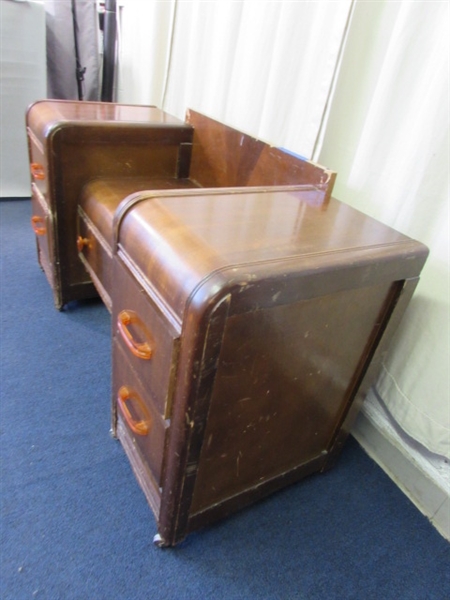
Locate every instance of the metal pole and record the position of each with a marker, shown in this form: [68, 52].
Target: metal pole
[79, 70]
[109, 50]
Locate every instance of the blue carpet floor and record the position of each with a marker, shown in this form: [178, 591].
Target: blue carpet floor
[75, 524]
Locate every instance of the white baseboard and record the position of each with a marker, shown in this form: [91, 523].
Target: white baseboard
[424, 479]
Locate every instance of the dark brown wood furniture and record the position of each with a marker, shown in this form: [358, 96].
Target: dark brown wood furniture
[71, 144]
[247, 330]
[250, 310]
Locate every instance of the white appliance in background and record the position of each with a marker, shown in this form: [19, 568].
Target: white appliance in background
[22, 81]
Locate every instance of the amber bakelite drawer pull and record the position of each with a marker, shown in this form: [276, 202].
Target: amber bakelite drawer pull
[125, 319]
[82, 243]
[141, 426]
[38, 225]
[37, 171]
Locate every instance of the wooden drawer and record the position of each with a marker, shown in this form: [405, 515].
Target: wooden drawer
[96, 254]
[41, 222]
[147, 339]
[136, 411]
[38, 163]
[95, 234]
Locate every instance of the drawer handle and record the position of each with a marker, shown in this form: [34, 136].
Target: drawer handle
[141, 427]
[139, 349]
[82, 243]
[37, 171]
[38, 225]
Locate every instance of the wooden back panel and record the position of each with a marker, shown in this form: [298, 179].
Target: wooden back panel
[225, 157]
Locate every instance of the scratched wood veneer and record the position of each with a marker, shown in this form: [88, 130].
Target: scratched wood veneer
[71, 144]
[220, 158]
[250, 310]
[247, 328]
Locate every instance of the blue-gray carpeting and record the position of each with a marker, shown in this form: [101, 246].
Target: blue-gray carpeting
[75, 524]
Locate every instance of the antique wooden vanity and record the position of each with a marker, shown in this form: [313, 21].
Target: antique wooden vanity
[250, 310]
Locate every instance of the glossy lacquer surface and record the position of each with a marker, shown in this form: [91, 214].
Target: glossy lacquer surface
[282, 307]
[73, 143]
[223, 156]
[47, 114]
[76, 142]
[208, 233]
[100, 198]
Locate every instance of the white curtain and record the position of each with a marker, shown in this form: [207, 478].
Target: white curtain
[264, 67]
[144, 41]
[381, 121]
[387, 137]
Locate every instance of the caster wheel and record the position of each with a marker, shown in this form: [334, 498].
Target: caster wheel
[159, 542]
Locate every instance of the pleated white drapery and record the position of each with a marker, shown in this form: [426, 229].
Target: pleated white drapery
[261, 66]
[269, 68]
[387, 137]
[144, 41]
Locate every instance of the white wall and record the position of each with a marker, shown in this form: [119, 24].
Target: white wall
[23, 81]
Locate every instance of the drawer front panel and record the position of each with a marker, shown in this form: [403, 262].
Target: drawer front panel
[137, 413]
[41, 223]
[96, 256]
[145, 337]
[38, 164]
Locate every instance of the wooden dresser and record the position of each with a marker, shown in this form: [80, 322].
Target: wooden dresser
[247, 328]
[250, 310]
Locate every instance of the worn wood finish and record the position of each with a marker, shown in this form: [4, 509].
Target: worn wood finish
[217, 231]
[41, 223]
[225, 157]
[99, 201]
[71, 143]
[148, 326]
[149, 443]
[270, 358]
[96, 256]
[250, 310]
[279, 306]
